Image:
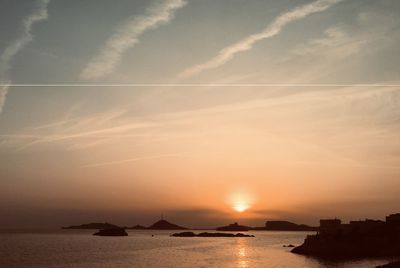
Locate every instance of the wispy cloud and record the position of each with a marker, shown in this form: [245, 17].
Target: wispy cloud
[336, 44]
[39, 14]
[128, 35]
[81, 132]
[317, 117]
[133, 160]
[227, 53]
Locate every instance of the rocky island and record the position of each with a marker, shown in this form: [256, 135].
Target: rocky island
[206, 234]
[165, 225]
[95, 225]
[285, 226]
[112, 232]
[235, 227]
[369, 238]
[159, 225]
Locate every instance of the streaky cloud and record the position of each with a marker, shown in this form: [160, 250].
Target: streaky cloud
[227, 53]
[127, 36]
[39, 14]
[133, 160]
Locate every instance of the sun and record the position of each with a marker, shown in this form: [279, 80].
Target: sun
[240, 207]
[240, 201]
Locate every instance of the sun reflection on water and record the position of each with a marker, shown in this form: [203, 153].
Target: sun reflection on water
[241, 253]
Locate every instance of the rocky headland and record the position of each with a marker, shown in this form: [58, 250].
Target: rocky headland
[369, 238]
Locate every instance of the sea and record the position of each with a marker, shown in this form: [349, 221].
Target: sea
[79, 248]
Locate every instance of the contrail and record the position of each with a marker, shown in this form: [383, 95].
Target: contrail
[127, 36]
[39, 14]
[3, 95]
[227, 53]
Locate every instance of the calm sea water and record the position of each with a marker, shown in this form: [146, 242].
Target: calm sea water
[76, 248]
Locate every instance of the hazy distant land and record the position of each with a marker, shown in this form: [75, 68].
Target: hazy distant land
[166, 225]
[368, 238]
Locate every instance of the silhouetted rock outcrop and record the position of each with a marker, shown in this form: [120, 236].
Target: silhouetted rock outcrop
[369, 238]
[184, 234]
[287, 226]
[112, 232]
[288, 246]
[95, 225]
[206, 234]
[234, 227]
[165, 225]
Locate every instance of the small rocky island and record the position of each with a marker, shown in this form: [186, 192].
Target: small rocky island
[206, 234]
[235, 227]
[369, 238]
[285, 226]
[94, 225]
[165, 225]
[112, 232]
[159, 225]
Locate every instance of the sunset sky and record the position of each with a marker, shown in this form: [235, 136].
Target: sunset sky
[210, 122]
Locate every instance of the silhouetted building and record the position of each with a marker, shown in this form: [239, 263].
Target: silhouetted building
[365, 227]
[393, 219]
[367, 238]
[329, 226]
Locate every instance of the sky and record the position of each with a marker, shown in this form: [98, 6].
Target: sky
[232, 110]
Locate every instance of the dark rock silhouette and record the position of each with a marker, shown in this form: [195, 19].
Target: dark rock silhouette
[112, 232]
[288, 246]
[395, 264]
[95, 225]
[369, 238]
[165, 225]
[287, 226]
[184, 234]
[206, 234]
[137, 227]
[234, 227]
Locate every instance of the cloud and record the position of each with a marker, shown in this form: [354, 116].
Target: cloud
[129, 160]
[127, 36]
[315, 122]
[336, 44]
[39, 14]
[80, 132]
[227, 53]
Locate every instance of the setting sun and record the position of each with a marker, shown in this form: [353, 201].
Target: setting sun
[240, 207]
[240, 201]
